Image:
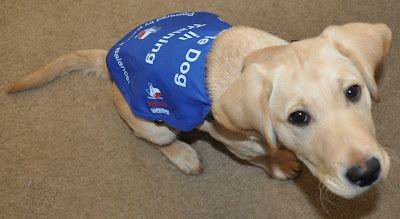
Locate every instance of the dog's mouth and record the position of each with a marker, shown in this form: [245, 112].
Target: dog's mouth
[353, 180]
[343, 188]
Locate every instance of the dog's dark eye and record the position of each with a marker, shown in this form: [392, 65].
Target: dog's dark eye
[353, 93]
[299, 118]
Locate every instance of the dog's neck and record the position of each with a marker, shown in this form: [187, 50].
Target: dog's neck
[226, 59]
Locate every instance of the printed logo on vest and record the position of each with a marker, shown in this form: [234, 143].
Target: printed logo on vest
[156, 107]
[147, 32]
[154, 93]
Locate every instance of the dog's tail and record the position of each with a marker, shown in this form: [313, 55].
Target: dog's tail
[87, 60]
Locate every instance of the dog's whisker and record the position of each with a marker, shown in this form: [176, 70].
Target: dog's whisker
[392, 155]
[328, 199]
[322, 197]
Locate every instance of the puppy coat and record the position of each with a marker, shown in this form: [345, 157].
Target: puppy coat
[160, 68]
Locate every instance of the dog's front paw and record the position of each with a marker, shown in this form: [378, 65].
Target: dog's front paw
[284, 165]
[188, 161]
[184, 157]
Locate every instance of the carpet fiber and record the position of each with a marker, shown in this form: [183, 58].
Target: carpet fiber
[65, 152]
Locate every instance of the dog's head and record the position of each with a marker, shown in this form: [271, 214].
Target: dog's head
[314, 96]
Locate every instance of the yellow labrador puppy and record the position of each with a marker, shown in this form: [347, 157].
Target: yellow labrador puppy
[312, 96]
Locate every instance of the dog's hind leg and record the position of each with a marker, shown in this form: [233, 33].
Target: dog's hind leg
[181, 154]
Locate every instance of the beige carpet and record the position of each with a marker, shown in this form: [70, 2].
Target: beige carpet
[65, 152]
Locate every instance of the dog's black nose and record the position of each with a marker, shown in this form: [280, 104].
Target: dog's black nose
[364, 175]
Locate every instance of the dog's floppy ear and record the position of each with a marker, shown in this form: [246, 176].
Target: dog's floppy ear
[365, 44]
[244, 105]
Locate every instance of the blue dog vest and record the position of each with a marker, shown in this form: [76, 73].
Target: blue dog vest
[160, 68]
